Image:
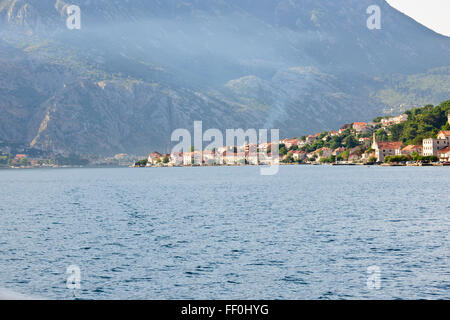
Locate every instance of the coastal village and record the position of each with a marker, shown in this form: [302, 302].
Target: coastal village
[359, 143]
[361, 146]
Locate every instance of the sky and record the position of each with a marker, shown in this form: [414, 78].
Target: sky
[435, 14]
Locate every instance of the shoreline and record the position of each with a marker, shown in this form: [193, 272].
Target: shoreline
[218, 166]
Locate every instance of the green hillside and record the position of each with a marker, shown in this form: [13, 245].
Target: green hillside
[422, 123]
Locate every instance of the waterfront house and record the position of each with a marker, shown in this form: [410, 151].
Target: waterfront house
[355, 154]
[386, 149]
[409, 150]
[176, 158]
[188, 158]
[209, 157]
[191, 158]
[444, 154]
[299, 155]
[432, 146]
[323, 152]
[234, 158]
[252, 158]
[267, 159]
[153, 158]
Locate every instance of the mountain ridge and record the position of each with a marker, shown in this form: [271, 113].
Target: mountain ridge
[298, 65]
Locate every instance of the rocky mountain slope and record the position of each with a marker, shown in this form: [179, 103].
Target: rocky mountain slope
[139, 69]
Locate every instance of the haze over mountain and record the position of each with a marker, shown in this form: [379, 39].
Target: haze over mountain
[138, 69]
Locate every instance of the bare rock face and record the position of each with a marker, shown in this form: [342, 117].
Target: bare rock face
[137, 70]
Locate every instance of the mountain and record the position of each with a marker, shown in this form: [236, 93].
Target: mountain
[138, 69]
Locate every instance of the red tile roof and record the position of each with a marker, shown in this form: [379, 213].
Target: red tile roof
[446, 150]
[389, 145]
[412, 148]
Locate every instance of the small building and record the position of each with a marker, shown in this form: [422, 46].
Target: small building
[394, 120]
[355, 154]
[444, 155]
[153, 158]
[234, 158]
[444, 135]
[267, 159]
[265, 147]
[176, 158]
[289, 143]
[299, 155]
[310, 139]
[252, 158]
[409, 150]
[209, 157]
[362, 127]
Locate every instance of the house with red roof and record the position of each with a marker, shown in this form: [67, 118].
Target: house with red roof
[289, 143]
[409, 150]
[153, 158]
[299, 155]
[386, 149]
[444, 154]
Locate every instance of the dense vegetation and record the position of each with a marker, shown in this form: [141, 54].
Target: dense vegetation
[423, 123]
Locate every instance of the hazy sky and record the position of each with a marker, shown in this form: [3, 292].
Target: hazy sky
[435, 14]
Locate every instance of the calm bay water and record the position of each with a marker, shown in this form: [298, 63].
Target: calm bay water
[226, 233]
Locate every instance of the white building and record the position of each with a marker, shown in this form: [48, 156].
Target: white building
[432, 146]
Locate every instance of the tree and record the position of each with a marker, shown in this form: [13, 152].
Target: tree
[351, 142]
[283, 151]
[381, 135]
[345, 154]
[141, 163]
[289, 158]
[372, 160]
[396, 159]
